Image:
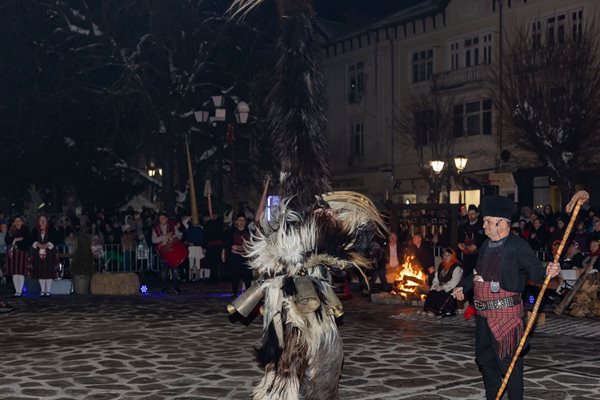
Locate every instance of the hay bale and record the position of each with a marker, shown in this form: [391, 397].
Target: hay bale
[594, 309]
[590, 288]
[578, 311]
[582, 298]
[115, 284]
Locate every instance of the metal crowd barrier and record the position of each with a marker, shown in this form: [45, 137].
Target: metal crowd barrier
[112, 258]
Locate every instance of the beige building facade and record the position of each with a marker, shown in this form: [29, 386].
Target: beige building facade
[372, 74]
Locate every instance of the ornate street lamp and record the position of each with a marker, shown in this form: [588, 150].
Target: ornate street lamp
[201, 116]
[437, 166]
[460, 162]
[153, 170]
[242, 111]
[218, 100]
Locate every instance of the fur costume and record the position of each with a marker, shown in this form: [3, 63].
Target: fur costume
[315, 231]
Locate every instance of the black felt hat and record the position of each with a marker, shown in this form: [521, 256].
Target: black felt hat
[497, 206]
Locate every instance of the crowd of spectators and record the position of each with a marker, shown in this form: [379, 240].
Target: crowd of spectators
[122, 240]
[544, 230]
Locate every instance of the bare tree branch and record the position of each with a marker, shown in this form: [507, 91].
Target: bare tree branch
[551, 99]
[425, 125]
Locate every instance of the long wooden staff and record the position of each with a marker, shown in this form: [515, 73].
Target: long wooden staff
[575, 204]
[193, 200]
[208, 195]
[263, 201]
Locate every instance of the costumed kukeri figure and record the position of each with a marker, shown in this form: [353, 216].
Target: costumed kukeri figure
[314, 232]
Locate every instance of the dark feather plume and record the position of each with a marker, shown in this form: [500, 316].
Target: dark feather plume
[297, 114]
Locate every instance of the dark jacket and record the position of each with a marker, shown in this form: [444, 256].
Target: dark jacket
[233, 236]
[423, 254]
[519, 263]
[24, 244]
[471, 234]
[538, 239]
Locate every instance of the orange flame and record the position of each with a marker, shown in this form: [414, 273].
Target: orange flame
[409, 279]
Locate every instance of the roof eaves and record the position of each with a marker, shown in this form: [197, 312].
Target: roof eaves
[427, 8]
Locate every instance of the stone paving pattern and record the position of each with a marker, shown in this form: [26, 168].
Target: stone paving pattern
[184, 347]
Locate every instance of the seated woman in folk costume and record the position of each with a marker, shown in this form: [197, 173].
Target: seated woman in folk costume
[448, 275]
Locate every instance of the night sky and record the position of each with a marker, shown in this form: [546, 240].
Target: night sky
[335, 9]
[58, 93]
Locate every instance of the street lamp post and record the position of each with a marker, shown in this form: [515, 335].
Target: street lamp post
[460, 163]
[153, 171]
[241, 114]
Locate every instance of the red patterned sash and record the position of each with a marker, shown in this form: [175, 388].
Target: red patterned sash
[506, 324]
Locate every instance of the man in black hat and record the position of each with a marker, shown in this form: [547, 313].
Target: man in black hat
[504, 265]
[470, 239]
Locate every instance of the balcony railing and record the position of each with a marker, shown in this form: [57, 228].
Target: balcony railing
[478, 144]
[461, 77]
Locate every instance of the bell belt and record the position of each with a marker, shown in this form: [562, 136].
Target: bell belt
[497, 304]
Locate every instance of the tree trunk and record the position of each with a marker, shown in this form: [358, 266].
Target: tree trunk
[566, 185]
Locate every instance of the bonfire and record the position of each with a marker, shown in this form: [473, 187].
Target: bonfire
[411, 282]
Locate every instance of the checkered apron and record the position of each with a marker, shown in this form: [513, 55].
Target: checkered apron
[506, 324]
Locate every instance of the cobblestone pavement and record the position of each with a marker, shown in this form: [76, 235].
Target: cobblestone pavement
[184, 347]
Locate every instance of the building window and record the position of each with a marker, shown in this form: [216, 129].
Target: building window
[472, 118]
[454, 55]
[486, 113]
[550, 31]
[422, 65]
[357, 140]
[553, 28]
[356, 82]
[458, 120]
[577, 18]
[487, 48]
[422, 127]
[536, 32]
[471, 51]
